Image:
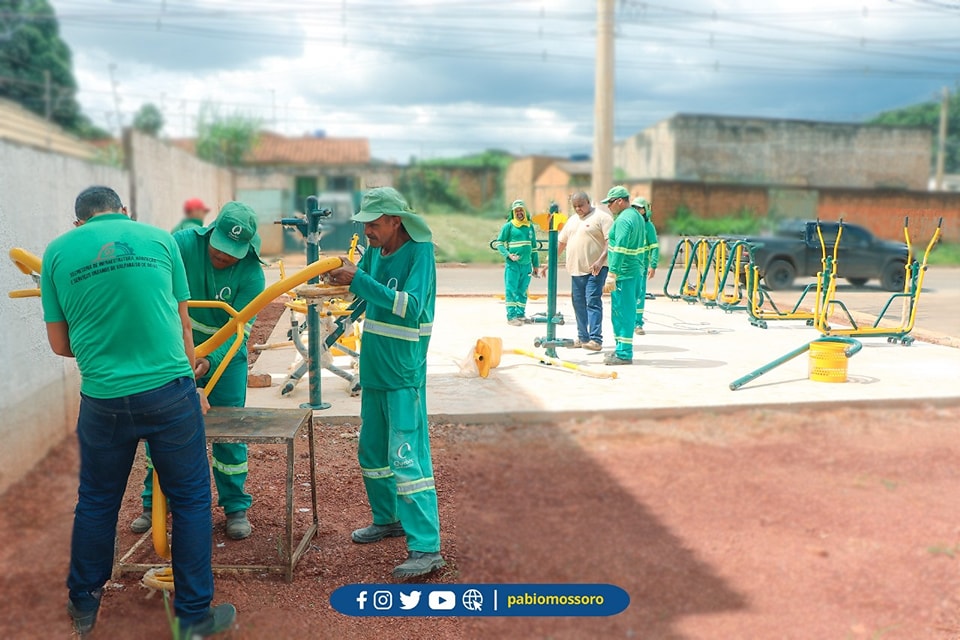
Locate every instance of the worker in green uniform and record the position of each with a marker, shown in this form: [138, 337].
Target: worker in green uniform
[623, 258]
[398, 279]
[194, 212]
[222, 263]
[517, 243]
[649, 257]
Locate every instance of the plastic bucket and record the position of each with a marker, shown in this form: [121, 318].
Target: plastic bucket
[828, 361]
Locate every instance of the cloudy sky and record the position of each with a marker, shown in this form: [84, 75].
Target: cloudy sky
[443, 78]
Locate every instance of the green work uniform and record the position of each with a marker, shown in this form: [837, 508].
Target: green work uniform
[623, 257]
[187, 223]
[394, 450]
[649, 257]
[72, 285]
[237, 286]
[521, 240]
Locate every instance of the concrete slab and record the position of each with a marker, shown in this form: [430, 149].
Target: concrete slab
[687, 360]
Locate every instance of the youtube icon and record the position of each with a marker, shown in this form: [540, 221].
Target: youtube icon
[442, 600]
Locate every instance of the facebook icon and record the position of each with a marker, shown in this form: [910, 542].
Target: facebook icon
[361, 599]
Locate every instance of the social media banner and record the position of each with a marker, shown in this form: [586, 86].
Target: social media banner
[480, 600]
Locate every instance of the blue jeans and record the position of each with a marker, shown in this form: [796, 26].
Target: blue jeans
[170, 420]
[587, 294]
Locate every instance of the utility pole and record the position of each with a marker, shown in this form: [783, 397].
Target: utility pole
[116, 99]
[47, 97]
[602, 177]
[942, 140]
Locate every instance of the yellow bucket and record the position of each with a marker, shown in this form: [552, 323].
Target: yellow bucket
[828, 362]
[487, 354]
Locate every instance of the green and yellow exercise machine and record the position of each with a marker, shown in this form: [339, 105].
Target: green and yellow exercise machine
[161, 577]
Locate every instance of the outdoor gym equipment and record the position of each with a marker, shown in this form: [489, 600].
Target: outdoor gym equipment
[827, 363]
[912, 287]
[553, 222]
[311, 227]
[30, 264]
[761, 306]
[722, 258]
[489, 350]
[692, 255]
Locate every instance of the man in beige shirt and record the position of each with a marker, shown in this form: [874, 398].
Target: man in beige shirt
[584, 237]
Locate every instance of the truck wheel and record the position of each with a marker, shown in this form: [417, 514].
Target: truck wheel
[779, 275]
[857, 282]
[893, 277]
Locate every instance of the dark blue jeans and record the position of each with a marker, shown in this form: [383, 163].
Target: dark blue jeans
[587, 294]
[170, 420]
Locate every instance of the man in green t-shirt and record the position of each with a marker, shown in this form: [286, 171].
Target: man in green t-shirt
[114, 296]
[397, 277]
[222, 263]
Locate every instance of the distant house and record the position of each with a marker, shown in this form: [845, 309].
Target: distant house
[280, 172]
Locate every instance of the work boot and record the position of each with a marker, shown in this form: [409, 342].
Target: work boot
[377, 532]
[418, 563]
[592, 345]
[639, 332]
[238, 527]
[515, 322]
[143, 522]
[612, 359]
[218, 618]
[83, 620]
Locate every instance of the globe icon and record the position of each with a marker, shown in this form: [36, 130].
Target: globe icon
[472, 600]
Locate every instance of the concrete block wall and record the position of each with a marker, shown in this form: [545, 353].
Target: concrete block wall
[39, 396]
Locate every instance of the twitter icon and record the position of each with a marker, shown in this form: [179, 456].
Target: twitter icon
[409, 600]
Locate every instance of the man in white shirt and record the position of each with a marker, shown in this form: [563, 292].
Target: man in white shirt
[584, 236]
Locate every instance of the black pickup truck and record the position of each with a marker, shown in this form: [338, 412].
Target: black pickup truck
[794, 250]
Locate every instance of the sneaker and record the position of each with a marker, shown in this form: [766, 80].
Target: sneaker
[576, 344]
[377, 532]
[218, 618]
[238, 527]
[418, 564]
[83, 621]
[592, 345]
[611, 359]
[639, 332]
[143, 522]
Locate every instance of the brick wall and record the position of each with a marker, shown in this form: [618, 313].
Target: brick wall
[881, 211]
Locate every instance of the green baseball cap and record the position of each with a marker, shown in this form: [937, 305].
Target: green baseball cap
[387, 201]
[616, 192]
[640, 202]
[235, 231]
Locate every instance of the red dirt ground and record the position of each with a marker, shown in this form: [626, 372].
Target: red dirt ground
[745, 524]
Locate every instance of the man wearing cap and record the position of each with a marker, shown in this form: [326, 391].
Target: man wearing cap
[517, 243]
[649, 257]
[193, 213]
[623, 257]
[222, 263]
[397, 277]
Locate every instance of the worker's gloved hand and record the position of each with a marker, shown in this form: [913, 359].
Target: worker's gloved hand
[514, 257]
[610, 284]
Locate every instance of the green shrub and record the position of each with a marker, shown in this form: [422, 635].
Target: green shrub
[686, 223]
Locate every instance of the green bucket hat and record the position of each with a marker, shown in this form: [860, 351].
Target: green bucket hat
[235, 231]
[387, 201]
[616, 192]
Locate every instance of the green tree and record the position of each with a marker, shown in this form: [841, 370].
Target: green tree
[148, 120]
[225, 141]
[927, 115]
[36, 66]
